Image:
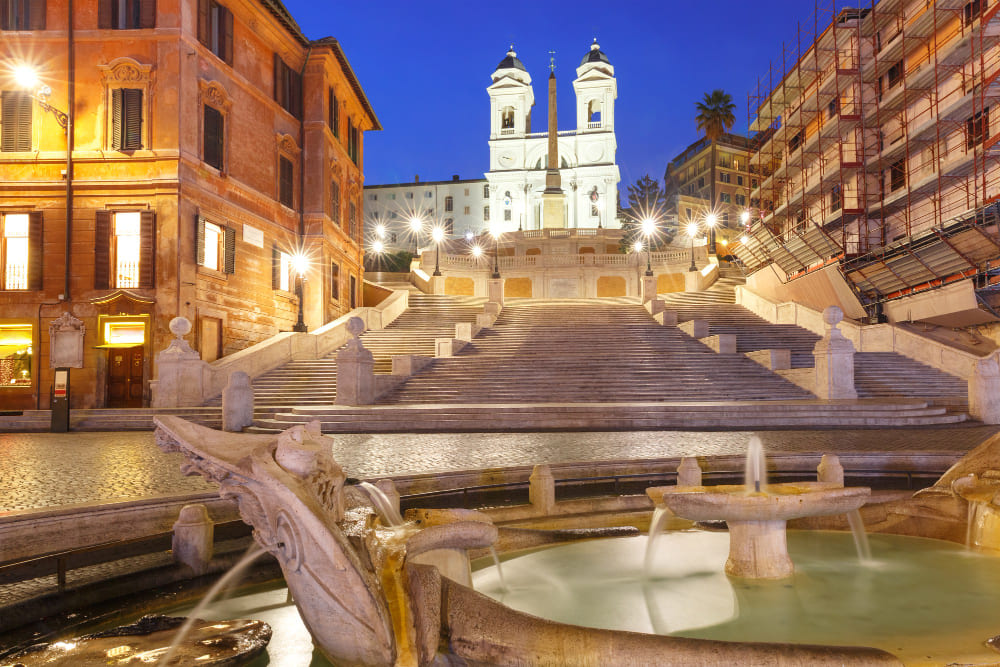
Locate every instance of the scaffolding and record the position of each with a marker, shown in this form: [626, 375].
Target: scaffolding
[874, 147]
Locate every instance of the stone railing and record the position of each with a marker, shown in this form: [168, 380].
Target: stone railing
[276, 351]
[677, 260]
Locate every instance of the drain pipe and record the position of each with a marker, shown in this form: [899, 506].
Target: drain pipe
[302, 148]
[70, 116]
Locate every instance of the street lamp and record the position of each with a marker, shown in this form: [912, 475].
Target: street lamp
[378, 248]
[495, 233]
[300, 263]
[692, 230]
[745, 217]
[710, 221]
[648, 229]
[437, 234]
[416, 225]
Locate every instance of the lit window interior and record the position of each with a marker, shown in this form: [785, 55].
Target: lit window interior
[127, 237]
[285, 271]
[15, 355]
[15, 239]
[213, 234]
[124, 333]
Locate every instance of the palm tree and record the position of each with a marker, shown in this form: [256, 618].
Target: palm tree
[715, 117]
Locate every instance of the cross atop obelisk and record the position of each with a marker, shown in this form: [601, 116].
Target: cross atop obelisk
[552, 61]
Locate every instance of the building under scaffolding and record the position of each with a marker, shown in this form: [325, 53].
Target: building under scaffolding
[873, 177]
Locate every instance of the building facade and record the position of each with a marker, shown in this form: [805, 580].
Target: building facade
[172, 158]
[875, 172]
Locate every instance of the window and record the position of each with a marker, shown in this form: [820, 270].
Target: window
[449, 225]
[428, 194]
[124, 249]
[977, 128]
[335, 281]
[796, 140]
[409, 195]
[507, 118]
[213, 131]
[22, 14]
[894, 75]
[897, 175]
[800, 216]
[353, 143]
[372, 197]
[725, 198]
[15, 120]
[16, 347]
[486, 213]
[333, 114]
[216, 246]
[701, 181]
[973, 11]
[126, 119]
[739, 179]
[835, 199]
[741, 200]
[833, 107]
[287, 87]
[335, 202]
[466, 210]
[354, 292]
[687, 213]
[392, 237]
[506, 215]
[449, 204]
[392, 196]
[21, 250]
[725, 177]
[215, 29]
[352, 220]
[486, 191]
[286, 182]
[126, 14]
[281, 270]
[466, 192]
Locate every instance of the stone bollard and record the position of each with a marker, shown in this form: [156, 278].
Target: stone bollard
[667, 318]
[695, 328]
[494, 290]
[237, 402]
[466, 331]
[542, 490]
[193, 535]
[830, 470]
[492, 308]
[834, 360]
[179, 371]
[485, 320]
[689, 472]
[355, 369]
[984, 391]
[648, 288]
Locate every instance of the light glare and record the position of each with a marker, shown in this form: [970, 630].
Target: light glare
[745, 217]
[637, 246]
[477, 251]
[437, 234]
[744, 239]
[692, 229]
[416, 223]
[378, 246]
[380, 231]
[300, 263]
[648, 226]
[26, 76]
[711, 219]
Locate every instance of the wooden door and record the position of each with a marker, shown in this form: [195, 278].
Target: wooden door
[211, 338]
[125, 371]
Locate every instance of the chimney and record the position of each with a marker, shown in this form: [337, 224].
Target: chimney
[454, 177]
[416, 178]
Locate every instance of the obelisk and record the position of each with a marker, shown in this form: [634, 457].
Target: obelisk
[553, 198]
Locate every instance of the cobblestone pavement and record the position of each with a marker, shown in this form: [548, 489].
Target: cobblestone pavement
[50, 470]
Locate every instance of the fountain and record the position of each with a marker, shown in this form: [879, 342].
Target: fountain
[372, 594]
[757, 513]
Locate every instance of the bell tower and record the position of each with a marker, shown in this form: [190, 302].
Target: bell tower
[511, 99]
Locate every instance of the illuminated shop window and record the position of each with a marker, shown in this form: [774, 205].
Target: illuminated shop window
[15, 355]
[15, 251]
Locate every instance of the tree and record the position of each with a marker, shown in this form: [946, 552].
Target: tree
[715, 117]
[645, 199]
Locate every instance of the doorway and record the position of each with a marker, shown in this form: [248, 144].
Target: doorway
[125, 371]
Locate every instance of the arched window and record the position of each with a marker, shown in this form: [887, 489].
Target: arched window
[449, 203]
[507, 118]
[449, 226]
[594, 111]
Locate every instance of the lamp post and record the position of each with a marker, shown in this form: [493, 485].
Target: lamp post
[710, 221]
[299, 265]
[495, 233]
[378, 248]
[416, 225]
[692, 230]
[648, 229]
[437, 234]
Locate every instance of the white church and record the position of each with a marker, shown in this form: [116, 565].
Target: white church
[510, 198]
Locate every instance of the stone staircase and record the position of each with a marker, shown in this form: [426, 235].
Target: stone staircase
[314, 381]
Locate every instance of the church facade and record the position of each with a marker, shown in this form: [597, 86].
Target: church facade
[510, 196]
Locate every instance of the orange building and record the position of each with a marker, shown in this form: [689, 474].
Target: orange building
[209, 145]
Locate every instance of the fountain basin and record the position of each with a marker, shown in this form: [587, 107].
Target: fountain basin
[757, 521]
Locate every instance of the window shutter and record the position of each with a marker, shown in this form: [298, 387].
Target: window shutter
[15, 121]
[213, 129]
[147, 244]
[104, 14]
[335, 281]
[227, 43]
[132, 112]
[147, 14]
[296, 93]
[36, 15]
[36, 250]
[203, 22]
[5, 15]
[102, 248]
[199, 242]
[275, 268]
[277, 75]
[287, 182]
[230, 259]
[116, 119]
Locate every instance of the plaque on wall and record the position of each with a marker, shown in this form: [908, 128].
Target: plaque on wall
[66, 342]
[253, 236]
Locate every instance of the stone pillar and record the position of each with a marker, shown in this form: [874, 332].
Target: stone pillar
[193, 536]
[542, 490]
[834, 360]
[689, 472]
[830, 470]
[648, 288]
[437, 284]
[494, 291]
[179, 371]
[355, 369]
[984, 391]
[237, 402]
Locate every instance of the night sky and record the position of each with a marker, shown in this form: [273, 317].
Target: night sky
[425, 67]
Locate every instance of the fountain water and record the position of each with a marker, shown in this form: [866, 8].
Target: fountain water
[386, 509]
[756, 466]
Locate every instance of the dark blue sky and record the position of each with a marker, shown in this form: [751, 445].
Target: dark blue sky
[425, 67]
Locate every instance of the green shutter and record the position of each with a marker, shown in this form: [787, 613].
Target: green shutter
[132, 112]
[116, 119]
[213, 137]
[147, 14]
[15, 121]
[147, 250]
[102, 250]
[36, 15]
[203, 7]
[36, 250]
[275, 267]
[230, 250]
[199, 240]
[104, 14]
[226, 25]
